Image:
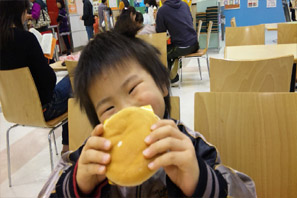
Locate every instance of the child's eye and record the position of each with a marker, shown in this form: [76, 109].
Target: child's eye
[131, 90]
[109, 108]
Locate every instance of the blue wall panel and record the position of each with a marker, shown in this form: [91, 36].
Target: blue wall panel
[253, 16]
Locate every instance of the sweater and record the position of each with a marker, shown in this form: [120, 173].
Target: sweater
[24, 51]
[175, 16]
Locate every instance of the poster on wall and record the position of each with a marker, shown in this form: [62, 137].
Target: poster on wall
[72, 7]
[113, 3]
[232, 4]
[252, 3]
[96, 4]
[271, 3]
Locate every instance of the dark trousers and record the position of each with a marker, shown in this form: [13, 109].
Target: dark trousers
[173, 52]
[90, 31]
[66, 42]
[59, 105]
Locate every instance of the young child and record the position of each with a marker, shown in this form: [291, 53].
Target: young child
[115, 72]
[64, 30]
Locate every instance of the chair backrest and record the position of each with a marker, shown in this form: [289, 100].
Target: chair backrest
[175, 107]
[233, 22]
[265, 75]
[71, 65]
[80, 128]
[159, 41]
[255, 133]
[79, 125]
[199, 29]
[210, 23]
[246, 35]
[19, 98]
[286, 33]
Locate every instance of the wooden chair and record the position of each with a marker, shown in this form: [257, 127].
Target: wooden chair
[200, 52]
[199, 29]
[233, 22]
[255, 133]
[80, 128]
[269, 75]
[247, 35]
[158, 40]
[71, 65]
[286, 33]
[21, 105]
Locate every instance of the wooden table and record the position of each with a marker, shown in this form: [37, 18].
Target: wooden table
[273, 26]
[248, 52]
[57, 66]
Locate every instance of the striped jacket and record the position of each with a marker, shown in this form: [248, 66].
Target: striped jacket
[215, 180]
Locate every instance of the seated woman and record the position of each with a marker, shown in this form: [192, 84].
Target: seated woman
[20, 48]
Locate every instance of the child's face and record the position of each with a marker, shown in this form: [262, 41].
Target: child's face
[130, 86]
[59, 5]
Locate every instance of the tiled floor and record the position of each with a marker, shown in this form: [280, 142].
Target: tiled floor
[29, 146]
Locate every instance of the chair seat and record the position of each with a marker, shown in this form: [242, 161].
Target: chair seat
[54, 122]
[199, 52]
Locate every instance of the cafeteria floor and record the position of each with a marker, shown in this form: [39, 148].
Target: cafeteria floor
[29, 146]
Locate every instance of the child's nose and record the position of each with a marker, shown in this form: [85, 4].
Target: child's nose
[127, 103]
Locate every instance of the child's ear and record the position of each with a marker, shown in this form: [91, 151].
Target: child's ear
[164, 90]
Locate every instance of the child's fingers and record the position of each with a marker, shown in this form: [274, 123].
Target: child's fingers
[163, 129]
[96, 169]
[98, 130]
[95, 157]
[98, 143]
[175, 158]
[164, 145]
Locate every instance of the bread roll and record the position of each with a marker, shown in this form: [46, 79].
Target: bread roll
[127, 130]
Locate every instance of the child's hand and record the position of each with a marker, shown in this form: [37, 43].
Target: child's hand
[176, 155]
[92, 161]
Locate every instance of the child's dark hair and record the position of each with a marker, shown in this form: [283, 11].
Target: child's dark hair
[125, 25]
[107, 52]
[139, 17]
[61, 2]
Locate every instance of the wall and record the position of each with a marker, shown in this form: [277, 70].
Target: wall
[253, 16]
[78, 30]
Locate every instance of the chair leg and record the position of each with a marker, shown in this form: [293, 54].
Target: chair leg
[50, 142]
[8, 153]
[50, 149]
[199, 67]
[54, 138]
[207, 61]
[181, 69]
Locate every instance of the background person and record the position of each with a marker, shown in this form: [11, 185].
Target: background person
[63, 24]
[20, 48]
[101, 9]
[175, 17]
[88, 18]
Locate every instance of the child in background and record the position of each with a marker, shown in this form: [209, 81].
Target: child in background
[115, 72]
[125, 23]
[144, 29]
[96, 24]
[62, 20]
